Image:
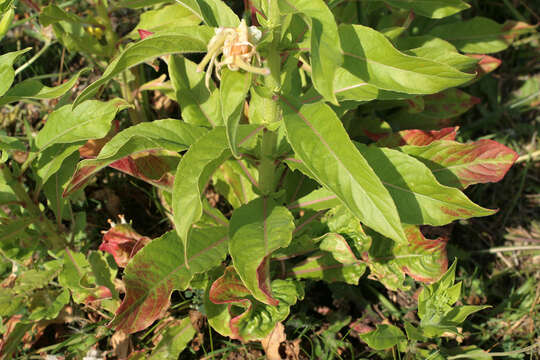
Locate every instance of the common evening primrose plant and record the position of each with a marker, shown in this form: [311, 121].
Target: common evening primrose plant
[326, 128]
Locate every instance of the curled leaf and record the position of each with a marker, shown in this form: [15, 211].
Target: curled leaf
[122, 242]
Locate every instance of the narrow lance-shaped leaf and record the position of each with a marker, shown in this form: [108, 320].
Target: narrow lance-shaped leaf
[164, 18]
[193, 173]
[214, 13]
[370, 56]
[257, 229]
[435, 9]
[157, 270]
[480, 35]
[7, 74]
[326, 54]
[460, 165]
[233, 90]
[320, 141]
[91, 120]
[34, 89]
[200, 106]
[435, 49]
[188, 40]
[166, 134]
[419, 198]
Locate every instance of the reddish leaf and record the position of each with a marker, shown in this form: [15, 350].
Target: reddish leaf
[423, 259]
[152, 166]
[122, 242]
[460, 165]
[512, 29]
[153, 274]
[229, 288]
[418, 244]
[144, 33]
[101, 292]
[417, 137]
[486, 64]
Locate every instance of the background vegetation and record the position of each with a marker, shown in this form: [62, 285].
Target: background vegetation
[499, 256]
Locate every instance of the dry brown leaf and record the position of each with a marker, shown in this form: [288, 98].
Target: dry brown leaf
[121, 345]
[271, 342]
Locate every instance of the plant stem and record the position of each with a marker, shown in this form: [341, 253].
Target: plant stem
[267, 166]
[34, 58]
[509, 249]
[53, 239]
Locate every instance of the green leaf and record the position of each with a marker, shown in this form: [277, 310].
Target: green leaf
[52, 14]
[137, 4]
[384, 337]
[55, 183]
[233, 90]
[322, 266]
[419, 197]
[71, 31]
[258, 229]
[166, 18]
[7, 74]
[477, 35]
[200, 106]
[34, 89]
[370, 56]
[167, 134]
[335, 262]
[91, 120]
[46, 305]
[326, 54]
[234, 180]
[175, 338]
[182, 40]
[317, 200]
[435, 49]
[103, 270]
[193, 173]
[435, 9]
[76, 276]
[214, 13]
[320, 141]
[155, 271]
[11, 143]
[460, 165]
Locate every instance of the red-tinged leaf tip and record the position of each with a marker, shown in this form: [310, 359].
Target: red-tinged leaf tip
[483, 161]
[144, 33]
[147, 166]
[122, 242]
[512, 29]
[418, 137]
[486, 63]
[101, 293]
